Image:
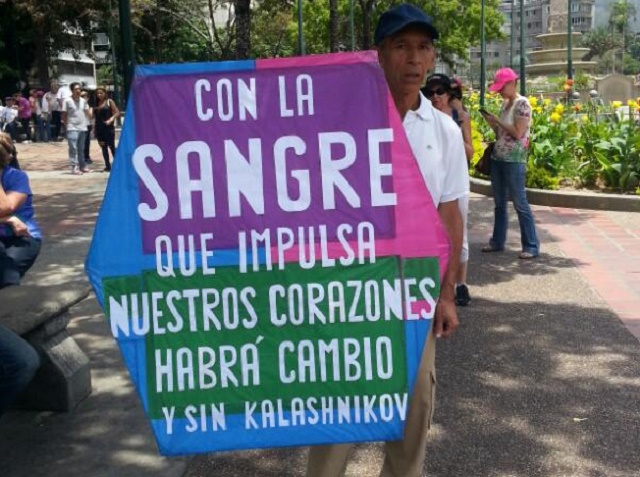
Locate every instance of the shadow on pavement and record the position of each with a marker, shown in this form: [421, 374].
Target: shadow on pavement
[525, 390]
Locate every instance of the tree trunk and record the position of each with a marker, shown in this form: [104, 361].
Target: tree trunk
[158, 33]
[243, 28]
[367, 9]
[42, 56]
[333, 26]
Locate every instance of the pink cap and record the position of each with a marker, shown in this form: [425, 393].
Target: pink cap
[502, 77]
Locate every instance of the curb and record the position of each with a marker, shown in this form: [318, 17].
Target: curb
[569, 200]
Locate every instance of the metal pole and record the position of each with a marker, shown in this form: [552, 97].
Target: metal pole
[569, 39]
[483, 48]
[300, 32]
[114, 60]
[513, 33]
[128, 61]
[351, 26]
[523, 85]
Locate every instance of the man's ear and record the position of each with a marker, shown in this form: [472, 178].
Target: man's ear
[380, 56]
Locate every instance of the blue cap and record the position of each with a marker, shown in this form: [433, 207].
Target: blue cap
[400, 17]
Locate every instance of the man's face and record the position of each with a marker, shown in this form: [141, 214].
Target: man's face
[406, 57]
[77, 90]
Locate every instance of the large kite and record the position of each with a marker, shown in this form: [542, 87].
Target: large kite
[267, 253]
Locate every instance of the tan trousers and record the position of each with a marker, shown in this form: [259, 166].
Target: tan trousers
[404, 458]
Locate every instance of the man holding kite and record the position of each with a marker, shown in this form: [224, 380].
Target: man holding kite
[404, 39]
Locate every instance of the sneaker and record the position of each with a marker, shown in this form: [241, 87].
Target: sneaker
[490, 248]
[86, 171]
[462, 295]
[76, 171]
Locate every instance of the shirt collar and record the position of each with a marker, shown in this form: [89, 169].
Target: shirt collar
[425, 109]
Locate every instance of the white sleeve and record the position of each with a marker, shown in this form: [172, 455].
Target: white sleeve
[456, 182]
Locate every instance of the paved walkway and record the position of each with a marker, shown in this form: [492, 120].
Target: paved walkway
[604, 247]
[542, 379]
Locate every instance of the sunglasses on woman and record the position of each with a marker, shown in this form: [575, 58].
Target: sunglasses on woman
[438, 92]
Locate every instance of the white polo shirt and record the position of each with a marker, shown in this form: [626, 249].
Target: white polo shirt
[77, 112]
[437, 144]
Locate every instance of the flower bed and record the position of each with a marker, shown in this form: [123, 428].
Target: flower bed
[581, 145]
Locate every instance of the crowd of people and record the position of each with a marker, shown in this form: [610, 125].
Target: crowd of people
[64, 112]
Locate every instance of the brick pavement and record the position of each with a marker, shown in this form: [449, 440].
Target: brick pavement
[604, 246]
[65, 204]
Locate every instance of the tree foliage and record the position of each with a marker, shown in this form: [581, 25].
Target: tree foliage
[458, 22]
[209, 30]
[599, 41]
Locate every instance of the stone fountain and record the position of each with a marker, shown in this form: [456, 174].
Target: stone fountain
[552, 57]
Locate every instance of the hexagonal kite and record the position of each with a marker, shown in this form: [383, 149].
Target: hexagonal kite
[267, 253]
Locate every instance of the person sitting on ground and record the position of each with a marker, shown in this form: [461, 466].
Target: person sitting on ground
[20, 236]
[18, 363]
[446, 95]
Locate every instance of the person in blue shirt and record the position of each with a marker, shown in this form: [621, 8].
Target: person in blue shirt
[20, 241]
[20, 236]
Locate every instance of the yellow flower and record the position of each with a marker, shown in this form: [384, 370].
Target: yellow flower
[632, 104]
[585, 118]
[533, 101]
[616, 104]
[555, 117]
[559, 108]
[546, 102]
[537, 109]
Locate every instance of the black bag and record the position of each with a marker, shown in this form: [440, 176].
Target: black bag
[483, 166]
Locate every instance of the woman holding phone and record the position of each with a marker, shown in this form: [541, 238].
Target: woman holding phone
[509, 162]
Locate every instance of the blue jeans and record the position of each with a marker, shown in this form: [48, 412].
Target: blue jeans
[508, 180]
[76, 140]
[17, 255]
[18, 363]
[46, 131]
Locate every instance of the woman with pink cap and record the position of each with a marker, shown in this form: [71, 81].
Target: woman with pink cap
[508, 165]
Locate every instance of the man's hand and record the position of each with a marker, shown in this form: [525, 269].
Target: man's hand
[445, 320]
[18, 226]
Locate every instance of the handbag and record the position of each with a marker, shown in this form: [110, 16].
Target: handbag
[483, 166]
